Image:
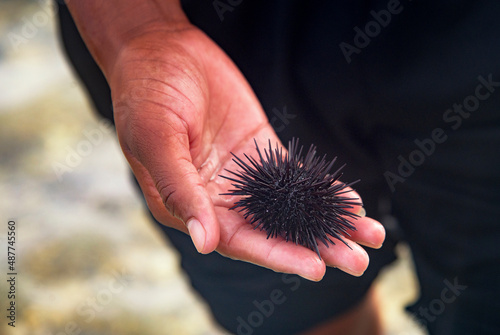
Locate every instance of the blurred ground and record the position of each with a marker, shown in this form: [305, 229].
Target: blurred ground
[88, 258]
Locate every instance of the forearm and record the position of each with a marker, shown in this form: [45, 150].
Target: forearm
[107, 25]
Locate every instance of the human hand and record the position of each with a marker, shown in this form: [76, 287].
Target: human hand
[181, 107]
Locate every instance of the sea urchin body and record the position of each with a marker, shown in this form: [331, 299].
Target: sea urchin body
[292, 196]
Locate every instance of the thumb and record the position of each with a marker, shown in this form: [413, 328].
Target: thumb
[174, 191]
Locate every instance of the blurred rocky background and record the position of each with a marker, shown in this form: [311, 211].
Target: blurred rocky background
[88, 259]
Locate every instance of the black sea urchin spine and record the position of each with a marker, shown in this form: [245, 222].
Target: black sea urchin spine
[292, 196]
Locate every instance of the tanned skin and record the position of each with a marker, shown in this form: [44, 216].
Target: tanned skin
[180, 107]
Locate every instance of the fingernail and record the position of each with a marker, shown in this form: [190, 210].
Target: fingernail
[197, 233]
[350, 271]
[305, 276]
[362, 212]
[311, 272]
[382, 231]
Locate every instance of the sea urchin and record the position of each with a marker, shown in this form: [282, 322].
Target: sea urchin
[292, 196]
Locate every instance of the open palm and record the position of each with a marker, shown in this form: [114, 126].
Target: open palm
[181, 106]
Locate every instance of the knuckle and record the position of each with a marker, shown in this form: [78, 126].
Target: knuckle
[173, 192]
[167, 190]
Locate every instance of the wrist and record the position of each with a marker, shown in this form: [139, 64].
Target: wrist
[108, 26]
